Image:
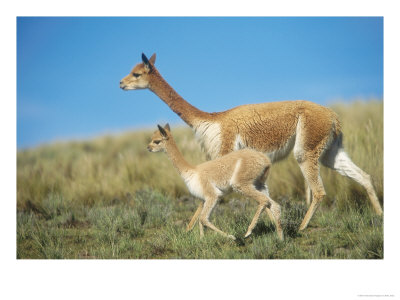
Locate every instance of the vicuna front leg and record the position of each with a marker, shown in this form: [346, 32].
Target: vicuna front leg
[195, 217]
[209, 204]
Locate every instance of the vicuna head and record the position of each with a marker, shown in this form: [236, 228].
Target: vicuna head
[159, 139]
[138, 78]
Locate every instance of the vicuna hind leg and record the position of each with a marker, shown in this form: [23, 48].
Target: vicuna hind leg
[268, 209]
[258, 190]
[264, 202]
[307, 151]
[261, 185]
[337, 159]
[310, 170]
[307, 190]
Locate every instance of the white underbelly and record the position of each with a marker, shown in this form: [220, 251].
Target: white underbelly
[283, 151]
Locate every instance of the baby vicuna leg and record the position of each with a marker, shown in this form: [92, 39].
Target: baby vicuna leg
[252, 186]
[209, 204]
[195, 217]
[263, 202]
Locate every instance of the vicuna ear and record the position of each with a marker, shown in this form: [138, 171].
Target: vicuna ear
[162, 131]
[153, 59]
[146, 61]
[167, 127]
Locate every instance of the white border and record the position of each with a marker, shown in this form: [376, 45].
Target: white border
[245, 279]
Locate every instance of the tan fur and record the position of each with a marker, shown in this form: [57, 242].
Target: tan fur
[311, 130]
[244, 171]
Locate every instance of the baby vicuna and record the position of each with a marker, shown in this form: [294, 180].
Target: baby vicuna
[244, 171]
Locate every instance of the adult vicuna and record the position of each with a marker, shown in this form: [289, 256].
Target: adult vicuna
[311, 130]
[244, 171]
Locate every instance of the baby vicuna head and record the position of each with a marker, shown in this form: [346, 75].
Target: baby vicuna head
[159, 138]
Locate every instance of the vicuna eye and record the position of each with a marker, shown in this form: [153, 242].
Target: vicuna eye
[136, 75]
[157, 142]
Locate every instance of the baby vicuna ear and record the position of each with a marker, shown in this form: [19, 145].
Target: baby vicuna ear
[162, 131]
[167, 127]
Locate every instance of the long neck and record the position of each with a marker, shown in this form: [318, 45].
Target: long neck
[176, 157]
[182, 108]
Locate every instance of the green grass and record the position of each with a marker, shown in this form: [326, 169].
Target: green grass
[110, 198]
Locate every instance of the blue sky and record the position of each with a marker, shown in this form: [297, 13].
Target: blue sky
[68, 69]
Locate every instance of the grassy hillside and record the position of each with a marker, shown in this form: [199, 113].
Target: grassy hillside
[110, 198]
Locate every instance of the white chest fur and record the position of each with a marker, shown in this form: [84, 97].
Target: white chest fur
[196, 187]
[209, 135]
[193, 183]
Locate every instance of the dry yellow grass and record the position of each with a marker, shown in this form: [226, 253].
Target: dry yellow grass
[113, 167]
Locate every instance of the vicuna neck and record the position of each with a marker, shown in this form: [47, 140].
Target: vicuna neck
[176, 157]
[182, 108]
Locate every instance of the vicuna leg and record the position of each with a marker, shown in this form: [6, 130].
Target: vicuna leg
[201, 229]
[194, 218]
[308, 193]
[276, 212]
[307, 150]
[261, 185]
[205, 214]
[264, 202]
[310, 170]
[263, 189]
[336, 158]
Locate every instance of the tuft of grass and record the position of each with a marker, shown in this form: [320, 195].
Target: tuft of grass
[371, 245]
[293, 213]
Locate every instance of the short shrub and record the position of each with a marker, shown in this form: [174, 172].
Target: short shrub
[292, 215]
